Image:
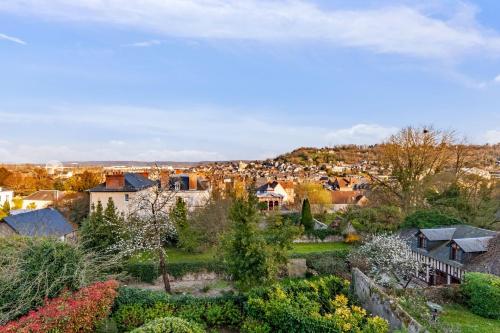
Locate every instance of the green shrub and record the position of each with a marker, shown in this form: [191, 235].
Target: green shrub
[327, 263]
[169, 325]
[135, 307]
[144, 270]
[323, 233]
[428, 218]
[182, 268]
[255, 326]
[482, 294]
[34, 269]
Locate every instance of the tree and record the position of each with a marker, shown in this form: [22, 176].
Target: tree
[148, 225]
[6, 207]
[388, 258]
[429, 218]
[83, 181]
[4, 173]
[306, 216]
[187, 236]
[254, 254]
[99, 230]
[314, 192]
[413, 156]
[378, 219]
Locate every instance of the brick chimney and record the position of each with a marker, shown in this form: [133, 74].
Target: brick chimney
[115, 181]
[145, 174]
[193, 181]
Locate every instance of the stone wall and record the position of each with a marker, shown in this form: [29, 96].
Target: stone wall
[377, 302]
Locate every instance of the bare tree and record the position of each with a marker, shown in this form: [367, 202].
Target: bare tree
[149, 225]
[413, 156]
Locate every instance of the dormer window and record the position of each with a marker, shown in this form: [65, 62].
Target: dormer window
[454, 252]
[126, 197]
[422, 241]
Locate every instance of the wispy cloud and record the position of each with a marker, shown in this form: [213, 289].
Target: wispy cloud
[12, 39]
[492, 136]
[401, 29]
[360, 134]
[497, 79]
[146, 43]
[183, 134]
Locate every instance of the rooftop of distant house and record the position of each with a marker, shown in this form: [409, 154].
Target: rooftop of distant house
[45, 195]
[124, 182]
[40, 222]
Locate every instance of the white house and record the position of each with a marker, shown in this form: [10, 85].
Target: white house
[6, 195]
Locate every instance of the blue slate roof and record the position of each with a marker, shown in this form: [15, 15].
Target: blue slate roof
[133, 182]
[41, 222]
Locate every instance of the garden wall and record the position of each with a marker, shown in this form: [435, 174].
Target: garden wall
[376, 301]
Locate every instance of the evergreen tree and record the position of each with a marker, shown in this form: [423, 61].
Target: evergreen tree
[98, 231]
[246, 254]
[188, 238]
[306, 216]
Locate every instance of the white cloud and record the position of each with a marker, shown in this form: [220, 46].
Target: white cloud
[182, 134]
[492, 136]
[360, 134]
[398, 29]
[12, 39]
[497, 79]
[146, 43]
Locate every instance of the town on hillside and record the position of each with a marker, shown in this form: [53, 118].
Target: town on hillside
[421, 228]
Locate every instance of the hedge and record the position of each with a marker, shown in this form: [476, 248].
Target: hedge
[77, 312]
[482, 294]
[327, 263]
[134, 308]
[148, 271]
[169, 325]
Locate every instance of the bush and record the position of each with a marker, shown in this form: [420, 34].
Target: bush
[482, 294]
[327, 263]
[255, 326]
[315, 305]
[144, 270]
[169, 325]
[182, 268]
[428, 218]
[323, 233]
[77, 312]
[34, 269]
[133, 308]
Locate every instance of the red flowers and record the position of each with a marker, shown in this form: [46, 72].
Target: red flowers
[77, 312]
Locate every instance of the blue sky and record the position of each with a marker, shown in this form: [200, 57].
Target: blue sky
[191, 80]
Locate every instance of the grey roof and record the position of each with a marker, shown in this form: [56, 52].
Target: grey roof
[438, 234]
[133, 182]
[269, 194]
[479, 244]
[41, 222]
[45, 195]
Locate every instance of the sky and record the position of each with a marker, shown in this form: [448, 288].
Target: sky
[191, 80]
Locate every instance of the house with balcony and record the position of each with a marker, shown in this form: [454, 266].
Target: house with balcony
[447, 252]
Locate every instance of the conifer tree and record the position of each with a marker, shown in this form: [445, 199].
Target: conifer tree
[306, 216]
[98, 231]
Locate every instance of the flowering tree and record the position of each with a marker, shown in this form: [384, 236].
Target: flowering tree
[388, 256]
[148, 225]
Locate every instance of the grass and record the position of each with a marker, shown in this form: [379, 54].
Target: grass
[176, 255]
[461, 318]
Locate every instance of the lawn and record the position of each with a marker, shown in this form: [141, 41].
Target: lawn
[176, 255]
[460, 317]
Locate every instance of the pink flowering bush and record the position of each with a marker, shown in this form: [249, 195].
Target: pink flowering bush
[77, 312]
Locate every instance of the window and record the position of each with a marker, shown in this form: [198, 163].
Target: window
[422, 242]
[454, 252]
[126, 196]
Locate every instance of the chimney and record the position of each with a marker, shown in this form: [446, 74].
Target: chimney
[193, 181]
[145, 174]
[164, 179]
[115, 181]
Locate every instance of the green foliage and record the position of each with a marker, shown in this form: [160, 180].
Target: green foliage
[428, 218]
[144, 270]
[323, 233]
[180, 269]
[306, 217]
[169, 325]
[374, 219]
[36, 268]
[6, 207]
[255, 326]
[187, 237]
[99, 230]
[482, 294]
[133, 308]
[327, 263]
[253, 256]
[315, 305]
